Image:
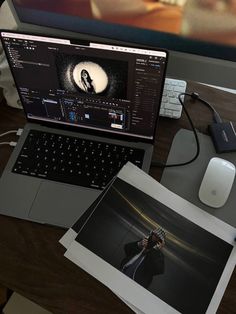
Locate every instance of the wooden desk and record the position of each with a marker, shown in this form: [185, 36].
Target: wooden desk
[31, 259]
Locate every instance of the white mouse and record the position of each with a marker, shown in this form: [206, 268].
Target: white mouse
[217, 182]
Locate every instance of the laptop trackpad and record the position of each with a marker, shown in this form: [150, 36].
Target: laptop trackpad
[61, 204]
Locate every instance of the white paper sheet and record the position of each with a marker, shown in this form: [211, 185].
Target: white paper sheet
[135, 296]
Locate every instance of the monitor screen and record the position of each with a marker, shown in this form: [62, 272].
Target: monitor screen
[188, 28]
[93, 86]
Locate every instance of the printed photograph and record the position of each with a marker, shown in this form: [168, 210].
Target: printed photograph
[92, 76]
[173, 258]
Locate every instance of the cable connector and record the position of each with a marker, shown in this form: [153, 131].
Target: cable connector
[216, 115]
[195, 95]
[19, 132]
[12, 143]
[9, 143]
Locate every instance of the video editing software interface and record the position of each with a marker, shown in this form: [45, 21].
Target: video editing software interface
[90, 85]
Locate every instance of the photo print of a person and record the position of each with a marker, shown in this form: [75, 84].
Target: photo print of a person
[87, 82]
[144, 258]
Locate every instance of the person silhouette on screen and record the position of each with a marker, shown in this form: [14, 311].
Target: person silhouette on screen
[87, 82]
[144, 258]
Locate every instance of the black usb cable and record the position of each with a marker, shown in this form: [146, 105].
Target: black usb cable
[216, 117]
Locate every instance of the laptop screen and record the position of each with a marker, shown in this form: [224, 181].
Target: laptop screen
[104, 87]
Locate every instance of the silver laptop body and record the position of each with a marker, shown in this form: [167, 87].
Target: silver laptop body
[49, 74]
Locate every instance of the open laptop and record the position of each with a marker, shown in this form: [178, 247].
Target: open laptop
[79, 97]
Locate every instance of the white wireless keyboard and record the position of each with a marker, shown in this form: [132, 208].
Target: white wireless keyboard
[170, 105]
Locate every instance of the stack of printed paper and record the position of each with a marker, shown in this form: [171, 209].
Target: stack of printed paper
[152, 248]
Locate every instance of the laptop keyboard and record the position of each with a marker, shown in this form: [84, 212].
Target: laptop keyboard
[73, 160]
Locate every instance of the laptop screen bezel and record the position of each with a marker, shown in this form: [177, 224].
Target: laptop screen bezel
[77, 128]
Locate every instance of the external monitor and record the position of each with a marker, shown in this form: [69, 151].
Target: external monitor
[200, 35]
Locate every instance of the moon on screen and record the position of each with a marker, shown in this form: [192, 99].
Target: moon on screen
[96, 73]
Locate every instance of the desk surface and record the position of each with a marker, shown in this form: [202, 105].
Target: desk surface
[31, 259]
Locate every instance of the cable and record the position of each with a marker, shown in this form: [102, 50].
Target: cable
[17, 132]
[8, 132]
[161, 165]
[216, 115]
[9, 143]
[216, 118]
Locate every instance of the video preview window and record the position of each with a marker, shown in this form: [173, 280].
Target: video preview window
[92, 75]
